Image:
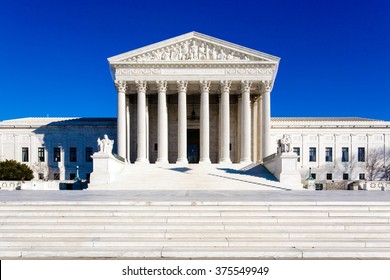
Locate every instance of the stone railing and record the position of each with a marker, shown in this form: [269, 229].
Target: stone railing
[11, 185]
[376, 186]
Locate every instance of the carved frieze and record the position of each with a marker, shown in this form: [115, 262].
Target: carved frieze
[201, 71]
[193, 50]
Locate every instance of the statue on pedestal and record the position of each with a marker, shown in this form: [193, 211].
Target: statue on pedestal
[105, 145]
[284, 144]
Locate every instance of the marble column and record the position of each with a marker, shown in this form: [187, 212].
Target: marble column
[259, 130]
[121, 118]
[162, 123]
[266, 126]
[182, 122]
[204, 122]
[141, 122]
[246, 122]
[128, 129]
[225, 122]
[255, 125]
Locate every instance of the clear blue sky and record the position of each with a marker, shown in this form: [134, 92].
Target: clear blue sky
[335, 55]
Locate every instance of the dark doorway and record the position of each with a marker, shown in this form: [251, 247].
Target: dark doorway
[193, 145]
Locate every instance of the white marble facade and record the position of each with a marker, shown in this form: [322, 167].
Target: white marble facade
[54, 147]
[194, 98]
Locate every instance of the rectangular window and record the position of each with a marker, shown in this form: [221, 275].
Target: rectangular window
[41, 176]
[297, 150]
[88, 154]
[328, 154]
[41, 154]
[56, 176]
[24, 154]
[362, 176]
[344, 154]
[329, 176]
[361, 154]
[312, 154]
[72, 154]
[345, 176]
[314, 175]
[57, 154]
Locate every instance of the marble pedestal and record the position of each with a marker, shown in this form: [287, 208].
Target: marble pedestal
[105, 168]
[284, 168]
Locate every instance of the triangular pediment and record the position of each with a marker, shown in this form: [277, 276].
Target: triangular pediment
[192, 47]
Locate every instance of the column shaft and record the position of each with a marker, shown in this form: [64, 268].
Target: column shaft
[225, 122]
[162, 123]
[182, 122]
[267, 147]
[121, 118]
[128, 129]
[141, 122]
[204, 123]
[246, 122]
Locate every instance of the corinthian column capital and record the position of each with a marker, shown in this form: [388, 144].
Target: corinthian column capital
[182, 86]
[162, 86]
[121, 86]
[141, 85]
[246, 86]
[266, 85]
[205, 85]
[225, 86]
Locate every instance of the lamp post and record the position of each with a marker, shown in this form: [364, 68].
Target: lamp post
[310, 181]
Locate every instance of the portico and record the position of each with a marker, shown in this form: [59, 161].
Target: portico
[194, 85]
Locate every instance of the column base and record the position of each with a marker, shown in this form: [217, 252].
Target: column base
[183, 161]
[162, 162]
[225, 161]
[246, 161]
[141, 161]
[205, 161]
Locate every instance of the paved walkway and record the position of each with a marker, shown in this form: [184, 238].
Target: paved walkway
[196, 195]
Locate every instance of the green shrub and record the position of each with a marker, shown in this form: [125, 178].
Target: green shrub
[13, 170]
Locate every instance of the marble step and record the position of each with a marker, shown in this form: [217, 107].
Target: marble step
[193, 253]
[188, 213]
[189, 243]
[191, 219]
[204, 226]
[198, 233]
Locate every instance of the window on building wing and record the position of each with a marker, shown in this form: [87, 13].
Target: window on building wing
[57, 154]
[361, 154]
[25, 154]
[312, 154]
[345, 154]
[328, 154]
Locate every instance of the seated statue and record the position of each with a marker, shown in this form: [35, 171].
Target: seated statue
[105, 145]
[284, 144]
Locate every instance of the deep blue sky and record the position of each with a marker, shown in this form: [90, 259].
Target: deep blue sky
[335, 55]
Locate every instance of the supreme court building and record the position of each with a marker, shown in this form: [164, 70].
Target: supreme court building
[194, 98]
[198, 99]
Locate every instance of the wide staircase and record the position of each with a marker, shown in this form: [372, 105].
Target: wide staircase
[190, 229]
[194, 176]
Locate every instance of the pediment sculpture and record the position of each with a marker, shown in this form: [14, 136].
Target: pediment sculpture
[193, 50]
